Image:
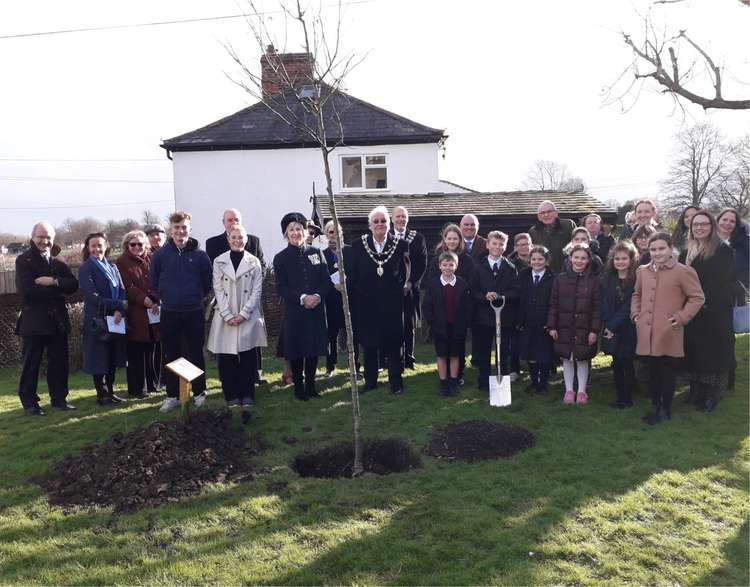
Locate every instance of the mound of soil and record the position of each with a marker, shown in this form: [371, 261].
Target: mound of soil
[478, 440]
[389, 455]
[154, 465]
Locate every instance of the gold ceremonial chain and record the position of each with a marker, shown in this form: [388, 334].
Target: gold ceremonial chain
[372, 255]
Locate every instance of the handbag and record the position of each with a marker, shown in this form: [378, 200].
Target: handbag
[99, 329]
[741, 314]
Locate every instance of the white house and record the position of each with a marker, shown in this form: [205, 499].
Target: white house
[253, 161]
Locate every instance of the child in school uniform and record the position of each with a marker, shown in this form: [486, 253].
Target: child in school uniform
[535, 345]
[574, 321]
[447, 309]
[494, 277]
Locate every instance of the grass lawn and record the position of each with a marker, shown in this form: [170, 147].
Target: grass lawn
[601, 498]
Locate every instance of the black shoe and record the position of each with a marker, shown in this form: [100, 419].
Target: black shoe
[453, 386]
[653, 418]
[397, 390]
[411, 365]
[443, 389]
[709, 405]
[115, 399]
[64, 407]
[105, 401]
[34, 411]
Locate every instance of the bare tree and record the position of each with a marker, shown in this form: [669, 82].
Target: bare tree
[734, 188]
[74, 231]
[697, 168]
[552, 176]
[677, 62]
[303, 91]
[150, 217]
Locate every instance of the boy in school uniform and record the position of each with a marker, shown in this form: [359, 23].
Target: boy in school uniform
[494, 277]
[447, 309]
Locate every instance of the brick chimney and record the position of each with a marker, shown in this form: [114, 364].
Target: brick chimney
[275, 67]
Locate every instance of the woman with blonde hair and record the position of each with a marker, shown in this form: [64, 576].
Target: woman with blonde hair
[709, 337]
[134, 265]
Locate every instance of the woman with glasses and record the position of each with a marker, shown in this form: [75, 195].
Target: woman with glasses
[709, 337]
[142, 314]
[103, 296]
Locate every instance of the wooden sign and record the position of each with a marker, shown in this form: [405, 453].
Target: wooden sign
[186, 372]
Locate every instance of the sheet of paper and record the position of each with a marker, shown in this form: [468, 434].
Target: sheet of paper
[153, 317]
[335, 278]
[115, 328]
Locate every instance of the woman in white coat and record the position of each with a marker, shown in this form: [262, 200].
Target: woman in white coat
[238, 327]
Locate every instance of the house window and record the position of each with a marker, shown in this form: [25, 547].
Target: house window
[367, 172]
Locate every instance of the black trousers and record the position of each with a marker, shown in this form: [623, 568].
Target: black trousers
[140, 367]
[539, 374]
[178, 328]
[624, 373]
[662, 376]
[303, 375]
[515, 362]
[410, 317]
[104, 383]
[237, 374]
[392, 355]
[57, 368]
[484, 343]
[154, 365]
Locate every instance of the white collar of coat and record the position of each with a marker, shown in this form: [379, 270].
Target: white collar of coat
[224, 262]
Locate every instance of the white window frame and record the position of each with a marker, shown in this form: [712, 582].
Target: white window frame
[365, 167]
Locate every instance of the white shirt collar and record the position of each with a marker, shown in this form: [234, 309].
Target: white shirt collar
[451, 283]
[492, 261]
[540, 273]
[378, 247]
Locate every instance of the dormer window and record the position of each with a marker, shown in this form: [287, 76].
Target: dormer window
[364, 172]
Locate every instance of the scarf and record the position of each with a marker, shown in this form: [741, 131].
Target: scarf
[109, 274]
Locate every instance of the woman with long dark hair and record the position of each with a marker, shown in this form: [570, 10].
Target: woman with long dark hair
[104, 295]
[682, 228]
[709, 349]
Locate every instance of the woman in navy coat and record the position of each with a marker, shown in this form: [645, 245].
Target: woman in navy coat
[104, 295]
[303, 282]
[535, 344]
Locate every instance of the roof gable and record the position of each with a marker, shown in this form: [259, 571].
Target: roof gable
[257, 127]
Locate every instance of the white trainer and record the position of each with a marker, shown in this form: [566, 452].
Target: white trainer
[199, 400]
[169, 404]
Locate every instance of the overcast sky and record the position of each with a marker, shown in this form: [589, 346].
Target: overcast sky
[510, 82]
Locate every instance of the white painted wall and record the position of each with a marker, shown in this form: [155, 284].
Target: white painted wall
[265, 184]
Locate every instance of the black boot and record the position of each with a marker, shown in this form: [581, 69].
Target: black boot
[102, 396]
[453, 386]
[299, 391]
[109, 381]
[443, 390]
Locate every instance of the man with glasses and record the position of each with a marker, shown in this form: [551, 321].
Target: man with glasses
[378, 277]
[552, 232]
[43, 282]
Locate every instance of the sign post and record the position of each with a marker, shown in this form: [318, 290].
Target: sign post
[186, 372]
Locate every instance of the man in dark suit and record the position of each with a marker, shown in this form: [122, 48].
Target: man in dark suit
[417, 258]
[216, 245]
[42, 282]
[376, 271]
[219, 244]
[476, 246]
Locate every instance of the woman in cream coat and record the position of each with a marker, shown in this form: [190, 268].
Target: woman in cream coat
[238, 327]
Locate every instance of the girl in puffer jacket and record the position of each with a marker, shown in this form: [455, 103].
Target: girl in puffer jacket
[574, 321]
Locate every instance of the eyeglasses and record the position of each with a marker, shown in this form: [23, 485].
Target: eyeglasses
[545, 212]
[383, 221]
[135, 245]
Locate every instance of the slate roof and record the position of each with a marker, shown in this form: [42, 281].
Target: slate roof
[482, 204]
[257, 127]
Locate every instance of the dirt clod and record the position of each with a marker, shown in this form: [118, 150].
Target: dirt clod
[390, 455]
[154, 465]
[478, 440]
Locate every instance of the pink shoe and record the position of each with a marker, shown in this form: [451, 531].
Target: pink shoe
[582, 398]
[569, 397]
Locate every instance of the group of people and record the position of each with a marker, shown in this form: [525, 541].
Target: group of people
[566, 291]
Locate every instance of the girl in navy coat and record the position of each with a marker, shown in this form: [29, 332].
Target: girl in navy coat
[302, 281]
[619, 336]
[535, 345]
[104, 295]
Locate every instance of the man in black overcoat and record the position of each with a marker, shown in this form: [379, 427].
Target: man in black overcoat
[376, 270]
[417, 260]
[216, 245]
[42, 282]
